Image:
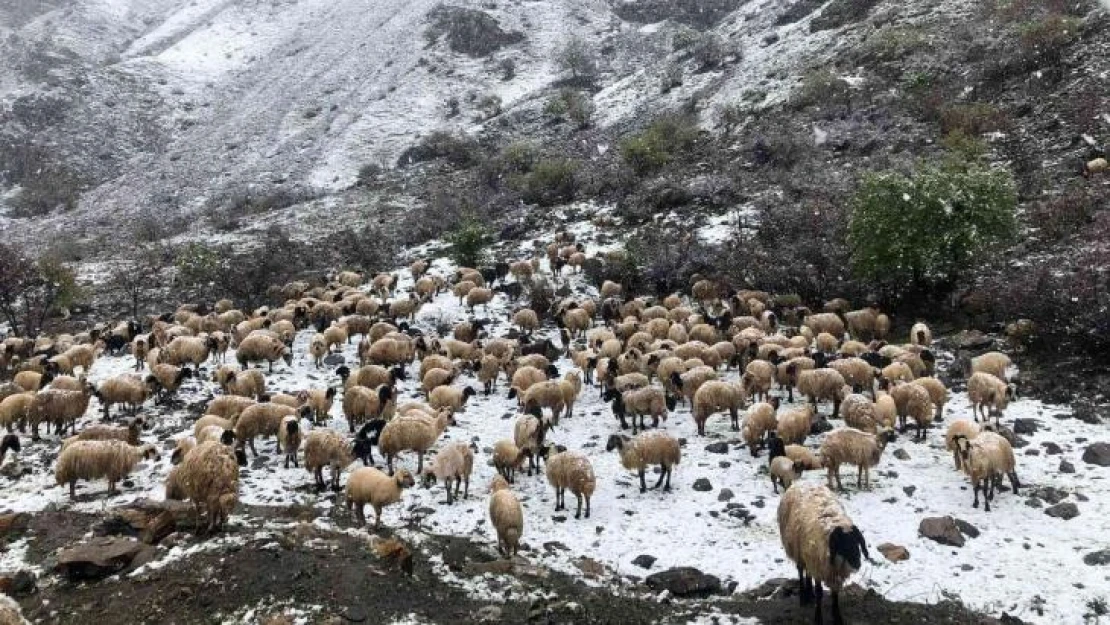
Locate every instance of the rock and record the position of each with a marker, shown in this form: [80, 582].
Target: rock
[554, 546]
[702, 485]
[1052, 449]
[717, 448]
[1025, 426]
[20, 584]
[684, 582]
[894, 553]
[334, 359]
[972, 340]
[1087, 413]
[1097, 558]
[101, 557]
[942, 530]
[967, 529]
[356, 614]
[901, 454]
[1032, 452]
[1097, 454]
[724, 464]
[966, 567]
[1033, 502]
[1050, 494]
[771, 39]
[644, 561]
[1065, 511]
[725, 495]
[1066, 467]
[11, 523]
[488, 614]
[909, 490]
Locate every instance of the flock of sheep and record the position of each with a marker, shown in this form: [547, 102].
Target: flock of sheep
[644, 356]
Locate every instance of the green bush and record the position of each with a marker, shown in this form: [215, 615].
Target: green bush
[550, 182]
[579, 59]
[650, 150]
[469, 242]
[821, 86]
[572, 105]
[1045, 39]
[894, 42]
[928, 228]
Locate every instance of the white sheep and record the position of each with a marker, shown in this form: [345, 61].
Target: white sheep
[570, 469]
[645, 449]
[367, 485]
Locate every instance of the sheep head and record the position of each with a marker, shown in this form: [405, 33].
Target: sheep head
[616, 441]
[404, 478]
[849, 545]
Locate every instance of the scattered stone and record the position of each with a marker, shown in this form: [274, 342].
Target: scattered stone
[101, 557]
[1032, 452]
[894, 553]
[1066, 467]
[684, 582]
[1087, 413]
[942, 530]
[334, 359]
[909, 490]
[725, 495]
[1081, 497]
[1097, 454]
[1033, 502]
[901, 454]
[488, 614]
[356, 614]
[702, 485]
[717, 448]
[1025, 426]
[553, 546]
[1052, 449]
[1050, 494]
[644, 561]
[967, 529]
[966, 567]
[771, 39]
[1065, 511]
[972, 340]
[1097, 558]
[724, 464]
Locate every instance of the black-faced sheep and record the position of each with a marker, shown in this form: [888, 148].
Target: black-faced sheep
[646, 449]
[985, 459]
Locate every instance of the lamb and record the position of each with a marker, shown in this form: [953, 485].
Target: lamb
[507, 517]
[259, 348]
[507, 458]
[758, 377]
[128, 434]
[987, 391]
[529, 433]
[758, 422]
[640, 402]
[913, 402]
[326, 448]
[127, 389]
[645, 449]
[58, 407]
[985, 459]
[91, 460]
[794, 425]
[819, 537]
[318, 348]
[966, 429]
[369, 485]
[820, 384]
[13, 409]
[570, 469]
[852, 446]
[938, 394]
[246, 383]
[450, 397]
[289, 438]
[262, 419]
[921, 335]
[784, 471]
[413, 434]
[994, 363]
[453, 463]
[361, 404]
[716, 395]
[209, 477]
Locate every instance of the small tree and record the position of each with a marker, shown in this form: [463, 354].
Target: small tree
[30, 290]
[137, 277]
[577, 58]
[927, 228]
[468, 243]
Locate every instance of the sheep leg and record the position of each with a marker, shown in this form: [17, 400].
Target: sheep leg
[466, 488]
[975, 490]
[774, 484]
[1014, 481]
[818, 595]
[839, 485]
[734, 418]
[805, 589]
[859, 477]
[389, 463]
[419, 463]
[643, 484]
[450, 495]
[319, 475]
[73, 489]
[667, 486]
[838, 619]
[377, 517]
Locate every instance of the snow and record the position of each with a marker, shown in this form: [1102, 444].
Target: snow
[992, 573]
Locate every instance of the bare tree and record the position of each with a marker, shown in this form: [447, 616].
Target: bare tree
[137, 278]
[30, 290]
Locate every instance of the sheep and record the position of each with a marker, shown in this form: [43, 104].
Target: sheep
[128, 434]
[367, 485]
[546, 394]
[759, 420]
[794, 425]
[821, 540]
[966, 429]
[10, 612]
[209, 477]
[228, 406]
[576, 321]
[526, 319]
[994, 363]
[1094, 166]
[413, 434]
[216, 433]
[361, 404]
[820, 384]
[128, 389]
[639, 402]
[921, 335]
[31, 380]
[716, 395]
[938, 394]
[14, 408]
[829, 323]
[507, 517]
[571, 470]
[826, 343]
[388, 351]
[859, 412]
[261, 419]
[507, 458]
[489, 369]
[371, 376]
[758, 377]
[648, 448]
[58, 407]
[897, 372]
[529, 433]
[326, 448]
[852, 446]
[319, 400]
[912, 401]
[803, 457]
[211, 420]
[289, 438]
[478, 296]
[856, 372]
[571, 386]
[91, 460]
[318, 348]
[784, 471]
[191, 350]
[987, 392]
[259, 347]
[453, 463]
[450, 397]
[246, 383]
[688, 383]
[985, 459]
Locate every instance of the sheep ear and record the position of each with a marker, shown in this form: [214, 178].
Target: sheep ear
[858, 535]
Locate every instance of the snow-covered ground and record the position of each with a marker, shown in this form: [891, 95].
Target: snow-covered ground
[1021, 553]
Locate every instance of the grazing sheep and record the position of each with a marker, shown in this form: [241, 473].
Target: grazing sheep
[289, 438]
[897, 372]
[758, 377]
[645, 449]
[319, 400]
[367, 485]
[128, 389]
[10, 612]
[938, 394]
[390, 351]
[507, 517]
[450, 397]
[717, 395]
[478, 296]
[262, 420]
[246, 383]
[804, 457]
[14, 408]
[228, 406]
[453, 463]
[546, 394]
[794, 425]
[912, 401]
[784, 471]
[361, 404]
[570, 469]
[96, 459]
[640, 402]
[188, 350]
[886, 411]
[688, 383]
[857, 372]
[326, 448]
[859, 412]
[128, 434]
[821, 540]
[994, 363]
[209, 477]
[58, 407]
[262, 348]
[821, 384]
[507, 458]
[529, 433]
[966, 429]
[852, 446]
[412, 433]
[985, 459]
[166, 379]
[758, 422]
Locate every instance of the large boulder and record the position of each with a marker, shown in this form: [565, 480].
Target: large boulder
[101, 557]
[942, 530]
[684, 581]
[1097, 454]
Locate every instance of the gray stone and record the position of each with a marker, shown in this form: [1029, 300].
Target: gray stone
[1025, 426]
[1050, 494]
[942, 530]
[909, 490]
[1097, 558]
[334, 359]
[702, 485]
[101, 557]
[684, 582]
[1065, 511]
[901, 454]
[725, 495]
[1066, 467]
[894, 553]
[644, 561]
[1097, 454]
[1052, 449]
[717, 448]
